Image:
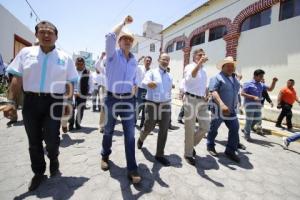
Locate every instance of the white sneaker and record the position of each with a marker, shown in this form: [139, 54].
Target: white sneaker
[285, 143]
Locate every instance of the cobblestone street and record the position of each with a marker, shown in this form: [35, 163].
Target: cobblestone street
[266, 170]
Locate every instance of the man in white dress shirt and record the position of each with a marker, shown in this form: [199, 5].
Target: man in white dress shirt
[195, 104]
[141, 92]
[43, 71]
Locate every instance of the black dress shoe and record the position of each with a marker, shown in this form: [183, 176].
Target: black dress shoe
[78, 127]
[232, 156]
[212, 151]
[71, 127]
[139, 144]
[279, 126]
[36, 181]
[162, 160]
[194, 153]
[180, 121]
[190, 160]
[241, 146]
[54, 167]
[141, 126]
[11, 122]
[171, 127]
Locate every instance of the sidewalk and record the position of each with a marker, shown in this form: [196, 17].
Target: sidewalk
[269, 127]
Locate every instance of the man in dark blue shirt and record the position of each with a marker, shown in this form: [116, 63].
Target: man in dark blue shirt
[224, 88]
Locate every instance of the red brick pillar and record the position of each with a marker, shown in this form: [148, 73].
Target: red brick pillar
[186, 55]
[232, 41]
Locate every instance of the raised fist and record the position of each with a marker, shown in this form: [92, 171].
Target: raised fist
[128, 20]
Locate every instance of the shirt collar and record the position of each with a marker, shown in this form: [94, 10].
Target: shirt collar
[233, 75]
[254, 81]
[162, 70]
[130, 54]
[41, 51]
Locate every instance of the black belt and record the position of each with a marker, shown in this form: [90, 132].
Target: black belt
[148, 101]
[42, 94]
[192, 95]
[119, 95]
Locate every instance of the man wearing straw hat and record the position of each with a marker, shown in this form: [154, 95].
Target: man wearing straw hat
[121, 68]
[224, 88]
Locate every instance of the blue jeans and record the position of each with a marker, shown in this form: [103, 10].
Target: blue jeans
[253, 117]
[232, 124]
[125, 108]
[294, 137]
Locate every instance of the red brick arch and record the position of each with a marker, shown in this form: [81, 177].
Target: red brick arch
[233, 34]
[233, 29]
[174, 40]
[215, 23]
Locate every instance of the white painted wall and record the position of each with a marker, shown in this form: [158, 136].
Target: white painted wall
[144, 49]
[10, 25]
[275, 48]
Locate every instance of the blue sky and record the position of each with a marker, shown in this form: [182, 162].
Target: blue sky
[82, 24]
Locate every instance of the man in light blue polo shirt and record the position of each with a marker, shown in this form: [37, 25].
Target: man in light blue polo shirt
[43, 71]
[252, 91]
[121, 68]
[158, 106]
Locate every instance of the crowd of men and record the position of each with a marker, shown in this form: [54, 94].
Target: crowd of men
[55, 89]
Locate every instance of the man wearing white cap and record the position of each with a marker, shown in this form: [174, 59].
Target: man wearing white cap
[121, 68]
[224, 88]
[195, 104]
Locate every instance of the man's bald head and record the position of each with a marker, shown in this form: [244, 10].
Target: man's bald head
[164, 60]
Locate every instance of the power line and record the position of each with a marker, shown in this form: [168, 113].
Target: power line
[36, 15]
[122, 10]
[118, 15]
[38, 18]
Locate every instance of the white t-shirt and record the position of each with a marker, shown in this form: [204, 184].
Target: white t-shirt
[47, 73]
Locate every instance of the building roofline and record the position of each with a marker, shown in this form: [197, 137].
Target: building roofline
[187, 15]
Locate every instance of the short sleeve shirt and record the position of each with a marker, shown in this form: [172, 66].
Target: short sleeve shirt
[43, 73]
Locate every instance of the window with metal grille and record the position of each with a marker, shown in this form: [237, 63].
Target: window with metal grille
[170, 48]
[289, 9]
[180, 45]
[152, 47]
[217, 33]
[198, 39]
[259, 19]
